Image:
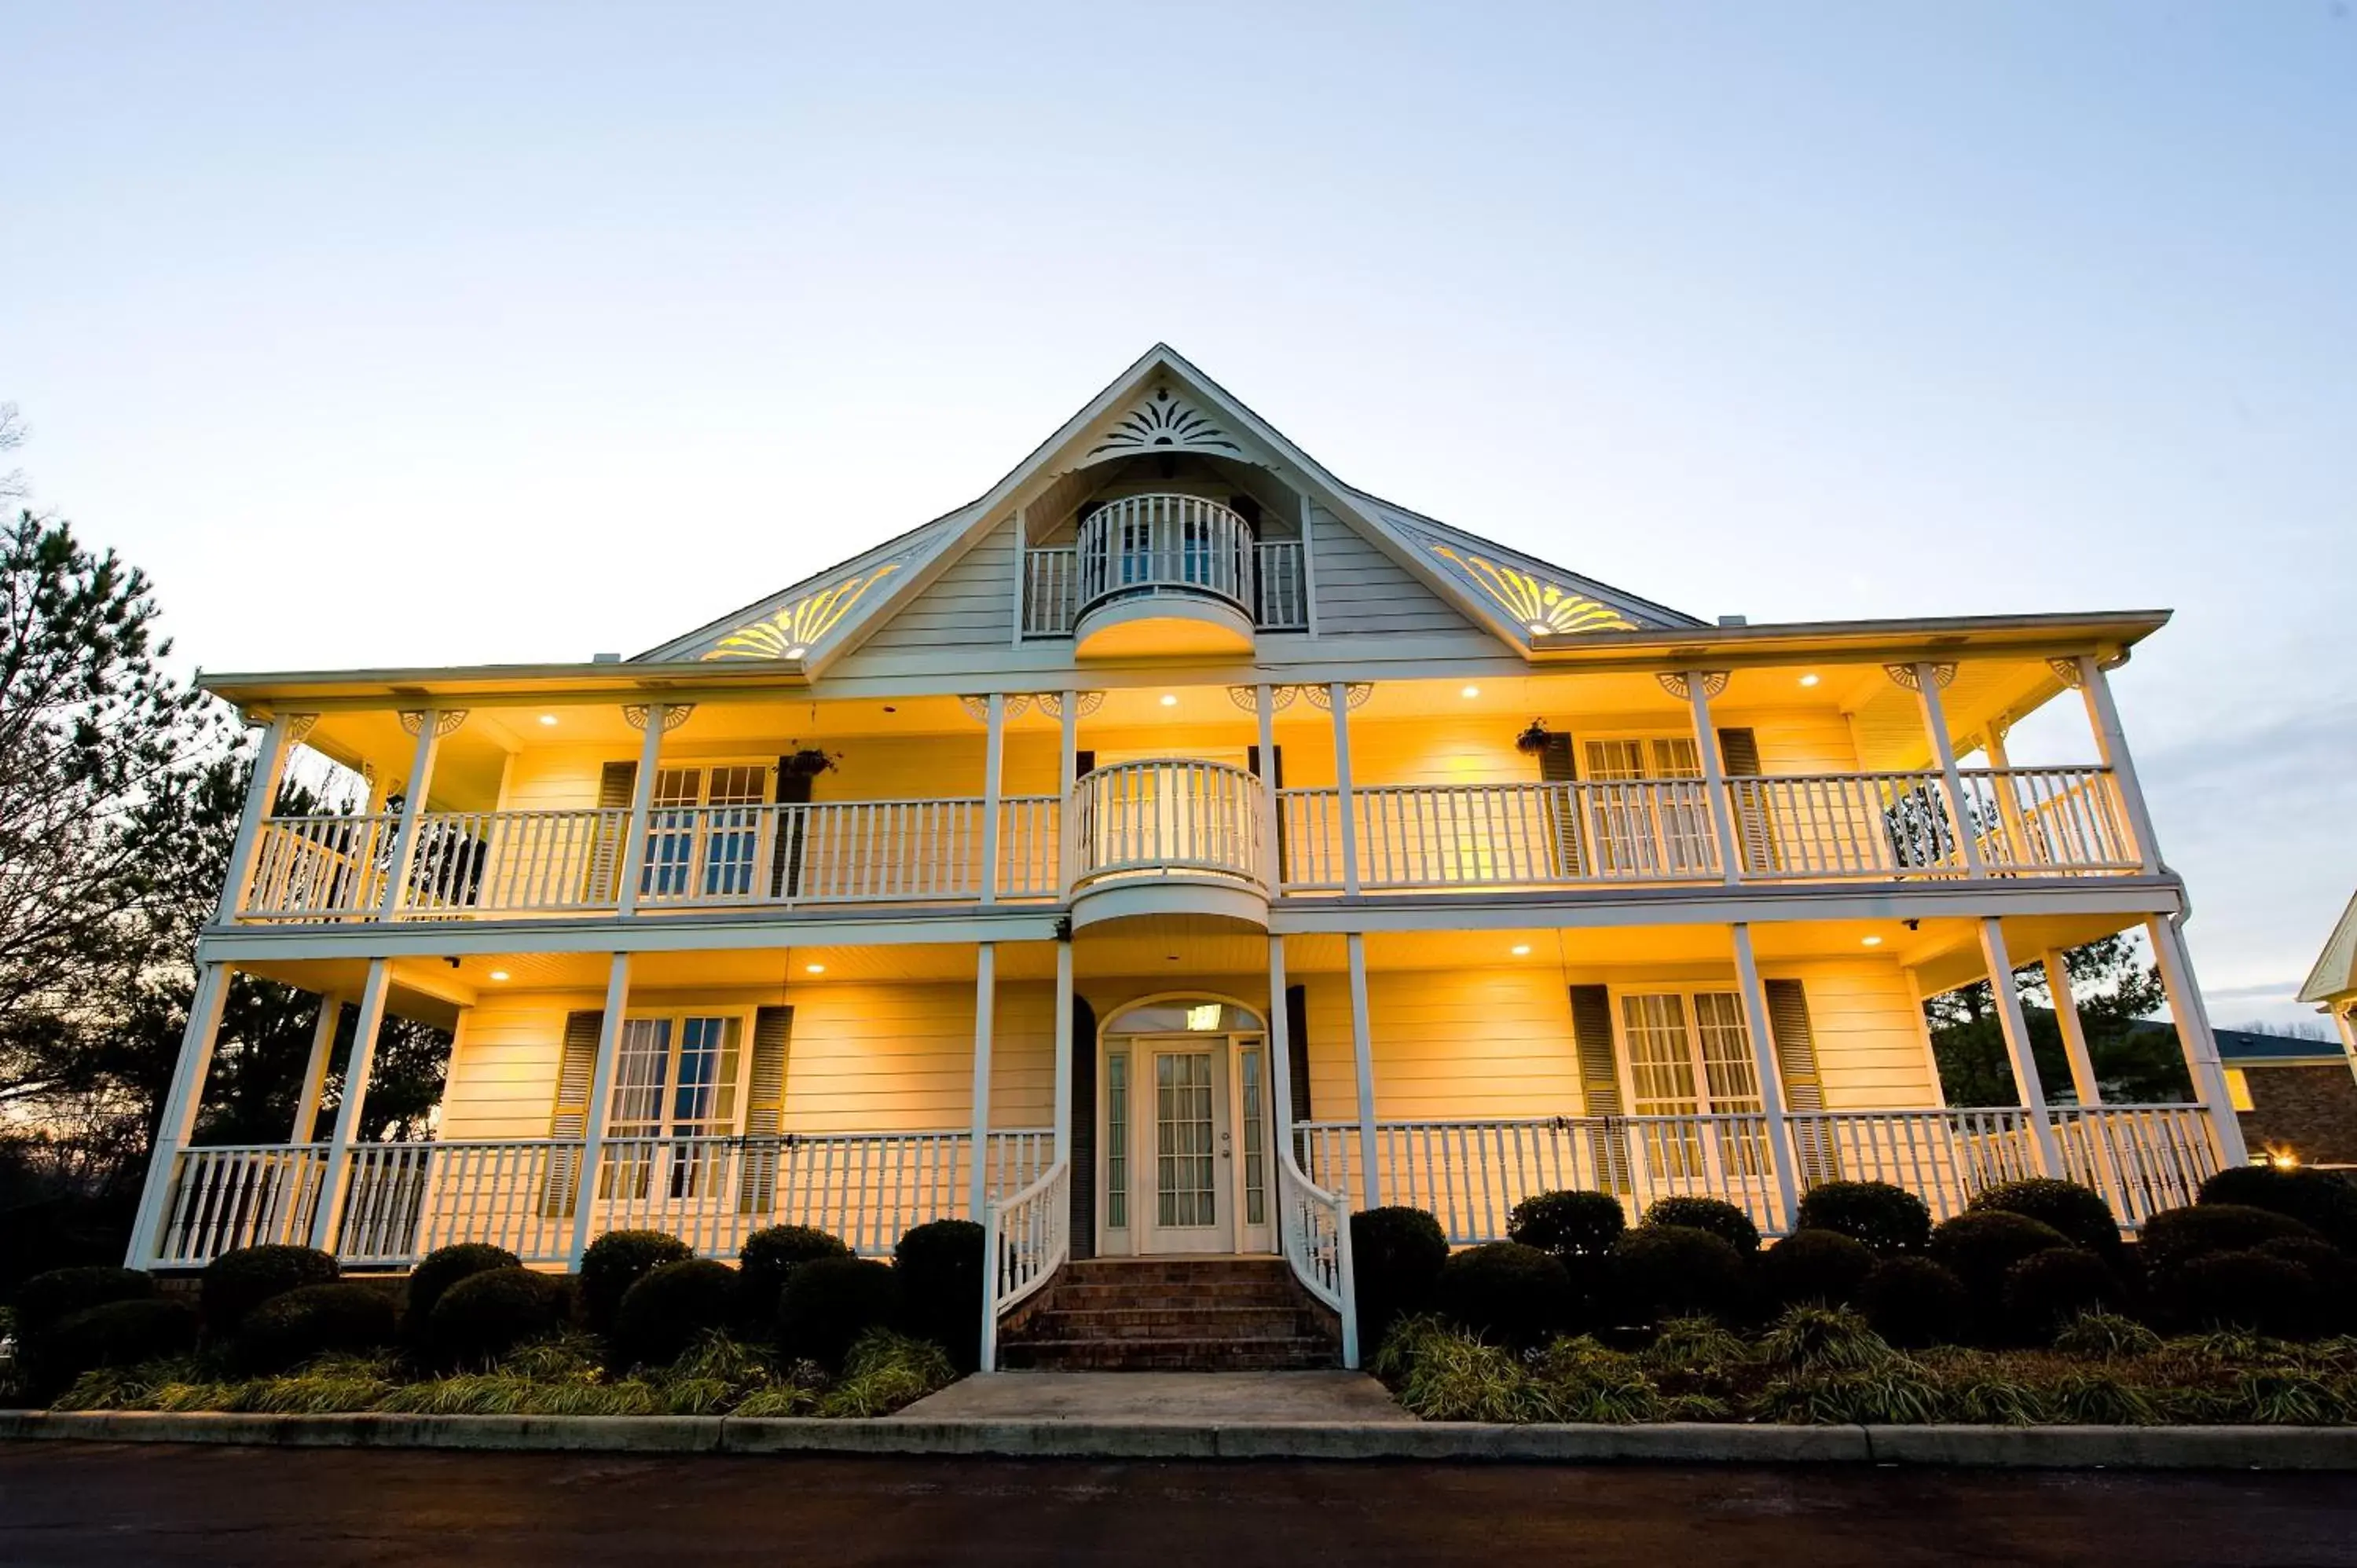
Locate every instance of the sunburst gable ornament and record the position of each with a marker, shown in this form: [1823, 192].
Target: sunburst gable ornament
[1540, 608]
[794, 630]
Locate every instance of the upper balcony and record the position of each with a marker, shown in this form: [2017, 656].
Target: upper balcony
[1162, 575]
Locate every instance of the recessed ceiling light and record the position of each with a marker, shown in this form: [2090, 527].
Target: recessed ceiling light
[1521, 949]
[548, 718]
[1169, 699]
[499, 974]
[796, 652]
[1810, 679]
[1871, 941]
[1469, 692]
[814, 969]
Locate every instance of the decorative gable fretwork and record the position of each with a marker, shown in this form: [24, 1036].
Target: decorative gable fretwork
[1539, 607]
[792, 632]
[1163, 421]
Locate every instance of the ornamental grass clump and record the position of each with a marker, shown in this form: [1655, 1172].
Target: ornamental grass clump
[2101, 1335]
[1456, 1375]
[1896, 1392]
[885, 1372]
[1823, 1340]
[1698, 1346]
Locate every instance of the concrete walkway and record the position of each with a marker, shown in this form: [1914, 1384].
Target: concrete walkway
[1193, 1398]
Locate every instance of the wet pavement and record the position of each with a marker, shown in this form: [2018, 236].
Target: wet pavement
[125, 1505]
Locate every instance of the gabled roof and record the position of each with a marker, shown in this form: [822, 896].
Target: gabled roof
[2335, 973]
[1164, 402]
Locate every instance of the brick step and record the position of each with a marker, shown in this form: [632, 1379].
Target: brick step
[1221, 1325]
[1176, 1271]
[1205, 1292]
[1286, 1354]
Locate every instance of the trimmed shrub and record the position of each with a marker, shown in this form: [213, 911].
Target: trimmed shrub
[2326, 1204]
[49, 1298]
[1883, 1218]
[618, 1260]
[830, 1302]
[2335, 1274]
[669, 1307]
[1814, 1267]
[2078, 1213]
[345, 1317]
[941, 1270]
[484, 1317]
[238, 1282]
[1979, 1247]
[1674, 1270]
[2175, 1236]
[1722, 1220]
[1396, 1255]
[1508, 1293]
[768, 1259]
[2048, 1291]
[112, 1333]
[443, 1267]
[1913, 1302]
[2249, 1291]
[1565, 1225]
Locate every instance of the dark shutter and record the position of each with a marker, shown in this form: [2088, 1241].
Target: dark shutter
[616, 787]
[1297, 1049]
[1796, 1067]
[1082, 1045]
[1556, 766]
[1083, 764]
[569, 1119]
[1738, 751]
[785, 855]
[765, 1107]
[1600, 1082]
[1275, 782]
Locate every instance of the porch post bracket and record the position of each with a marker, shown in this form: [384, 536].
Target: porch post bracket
[413, 720]
[1942, 675]
[1280, 697]
[673, 714]
[1052, 703]
[1676, 683]
[1014, 703]
[1355, 694]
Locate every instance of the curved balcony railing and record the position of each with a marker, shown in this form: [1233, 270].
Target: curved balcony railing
[1155, 818]
[1158, 543]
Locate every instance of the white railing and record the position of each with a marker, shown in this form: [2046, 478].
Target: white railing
[1050, 590]
[403, 1200]
[1284, 592]
[2045, 820]
[514, 863]
[1148, 819]
[1025, 1240]
[1470, 1173]
[852, 851]
[1502, 835]
[1314, 1229]
[1826, 826]
[1149, 543]
[320, 868]
[242, 1195]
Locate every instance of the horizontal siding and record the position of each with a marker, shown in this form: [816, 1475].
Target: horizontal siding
[970, 605]
[1360, 590]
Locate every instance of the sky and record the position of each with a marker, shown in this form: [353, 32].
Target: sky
[422, 334]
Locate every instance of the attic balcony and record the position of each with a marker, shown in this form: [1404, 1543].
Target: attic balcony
[1163, 574]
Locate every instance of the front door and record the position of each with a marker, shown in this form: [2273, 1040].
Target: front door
[1189, 1206]
[1185, 1140]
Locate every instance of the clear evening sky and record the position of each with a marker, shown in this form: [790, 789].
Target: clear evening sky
[426, 334]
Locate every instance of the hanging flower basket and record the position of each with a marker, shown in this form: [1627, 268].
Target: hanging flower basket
[809, 762]
[1533, 740]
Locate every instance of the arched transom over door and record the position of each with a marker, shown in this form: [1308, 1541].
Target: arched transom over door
[1185, 1130]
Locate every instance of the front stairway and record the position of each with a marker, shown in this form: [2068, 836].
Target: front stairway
[1172, 1315]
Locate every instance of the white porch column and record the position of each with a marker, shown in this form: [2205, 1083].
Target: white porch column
[315, 1070]
[179, 1117]
[642, 798]
[1714, 779]
[2009, 803]
[601, 1090]
[2074, 1033]
[412, 806]
[993, 742]
[1264, 717]
[336, 1179]
[1345, 800]
[1280, 1047]
[1763, 1063]
[2194, 1036]
[1068, 814]
[985, 1009]
[2112, 749]
[1064, 1049]
[1943, 751]
[1371, 1183]
[261, 797]
[2017, 1045]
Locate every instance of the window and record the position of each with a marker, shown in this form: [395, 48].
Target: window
[1647, 816]
[1117, 1161]
[1248, 1070]
[675, 1077]
[703, 831]
[2238, 1087]
[1690, 1056]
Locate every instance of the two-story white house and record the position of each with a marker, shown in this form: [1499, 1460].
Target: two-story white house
[1165, 853]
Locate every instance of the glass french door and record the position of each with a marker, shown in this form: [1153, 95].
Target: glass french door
[1644, 821]
[1690, 1056]
[674, 1079]
[703, 832]
[1187, 1145]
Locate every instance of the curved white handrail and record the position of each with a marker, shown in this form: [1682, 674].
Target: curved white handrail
[1315, 1227]
[1156, 817]
[1025, 1240]
[1145, 543]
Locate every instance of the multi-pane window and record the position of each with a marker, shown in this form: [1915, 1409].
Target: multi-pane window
[1646, 819]
[1690, 1056]
[703, 832]
[1116, 1141]
[1248, 1071]
[673, 1078]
